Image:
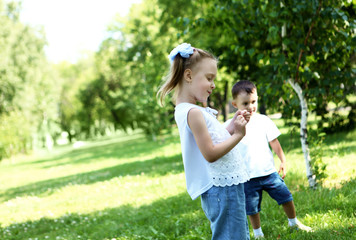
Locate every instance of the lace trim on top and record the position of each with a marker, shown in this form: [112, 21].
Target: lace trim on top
[231, 168]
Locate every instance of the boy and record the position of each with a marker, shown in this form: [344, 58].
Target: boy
[260, 131]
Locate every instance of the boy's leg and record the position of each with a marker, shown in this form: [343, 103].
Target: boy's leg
[293, 222]
[289, 209]
[279, 191]
[253, 192]
[255, 220]
[256, 225]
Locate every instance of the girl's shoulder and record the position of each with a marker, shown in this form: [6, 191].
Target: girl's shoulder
[186, 107]
[181, 110]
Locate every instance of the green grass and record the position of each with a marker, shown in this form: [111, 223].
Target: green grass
[131, 188]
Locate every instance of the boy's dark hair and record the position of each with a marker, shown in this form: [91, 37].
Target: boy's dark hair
[243, 85]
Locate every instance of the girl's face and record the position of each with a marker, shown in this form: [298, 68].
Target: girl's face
[202, 80]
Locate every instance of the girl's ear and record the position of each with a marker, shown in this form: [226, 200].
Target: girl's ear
[188, 75]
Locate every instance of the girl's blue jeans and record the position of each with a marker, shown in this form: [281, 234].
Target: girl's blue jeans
[225, 209]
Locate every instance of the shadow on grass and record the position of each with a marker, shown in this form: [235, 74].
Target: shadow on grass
[169, 218]
[178, 217]
[289, 141]
[119, 149]
[330, 210]
[158, 166]
[338, 199]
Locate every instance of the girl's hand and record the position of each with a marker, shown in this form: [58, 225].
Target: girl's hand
[240, 125]
[244, 113]
[247, 115]
[231, 127]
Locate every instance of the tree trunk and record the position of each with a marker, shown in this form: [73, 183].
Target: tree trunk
[303, 106]
[303, 132]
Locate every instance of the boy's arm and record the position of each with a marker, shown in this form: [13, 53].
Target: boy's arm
[276, 146]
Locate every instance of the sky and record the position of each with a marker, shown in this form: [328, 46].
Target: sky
[72, 26]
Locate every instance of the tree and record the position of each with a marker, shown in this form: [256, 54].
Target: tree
[71, 79]
[250, 44]
[132, 64]
[27, 88]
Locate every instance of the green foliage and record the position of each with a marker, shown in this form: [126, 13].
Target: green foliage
[316, 154]
[251, 47]
[14, 139]
[74, 106]
[131, 68]
[27, 89]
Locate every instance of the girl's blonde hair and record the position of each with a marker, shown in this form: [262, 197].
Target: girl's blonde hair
[178, 66]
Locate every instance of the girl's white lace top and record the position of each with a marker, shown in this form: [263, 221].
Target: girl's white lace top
[231, 168]
[200, 174]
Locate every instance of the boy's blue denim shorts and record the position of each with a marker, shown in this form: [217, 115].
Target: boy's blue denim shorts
[273, 184]
[225, 209]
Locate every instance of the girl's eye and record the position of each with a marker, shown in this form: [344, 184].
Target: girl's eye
[210, 78]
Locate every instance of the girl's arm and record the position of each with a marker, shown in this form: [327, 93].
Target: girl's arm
[202, 137]
[276, 146]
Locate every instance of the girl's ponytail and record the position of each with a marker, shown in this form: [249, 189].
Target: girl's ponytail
[173, 78]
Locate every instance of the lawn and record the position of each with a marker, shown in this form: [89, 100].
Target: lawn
[128, 187]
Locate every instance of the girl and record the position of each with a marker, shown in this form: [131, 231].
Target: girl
[209, 155]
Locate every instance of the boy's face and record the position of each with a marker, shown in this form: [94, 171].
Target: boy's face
[245, 101]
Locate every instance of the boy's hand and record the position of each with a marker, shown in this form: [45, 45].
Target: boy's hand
[282, 168]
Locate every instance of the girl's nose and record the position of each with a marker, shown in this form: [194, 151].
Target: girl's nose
[213, 85]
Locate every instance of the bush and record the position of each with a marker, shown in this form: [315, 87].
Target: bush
[14, 139]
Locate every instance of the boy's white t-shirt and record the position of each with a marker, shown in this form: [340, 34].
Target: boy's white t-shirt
[200, 174]
[254, 147]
